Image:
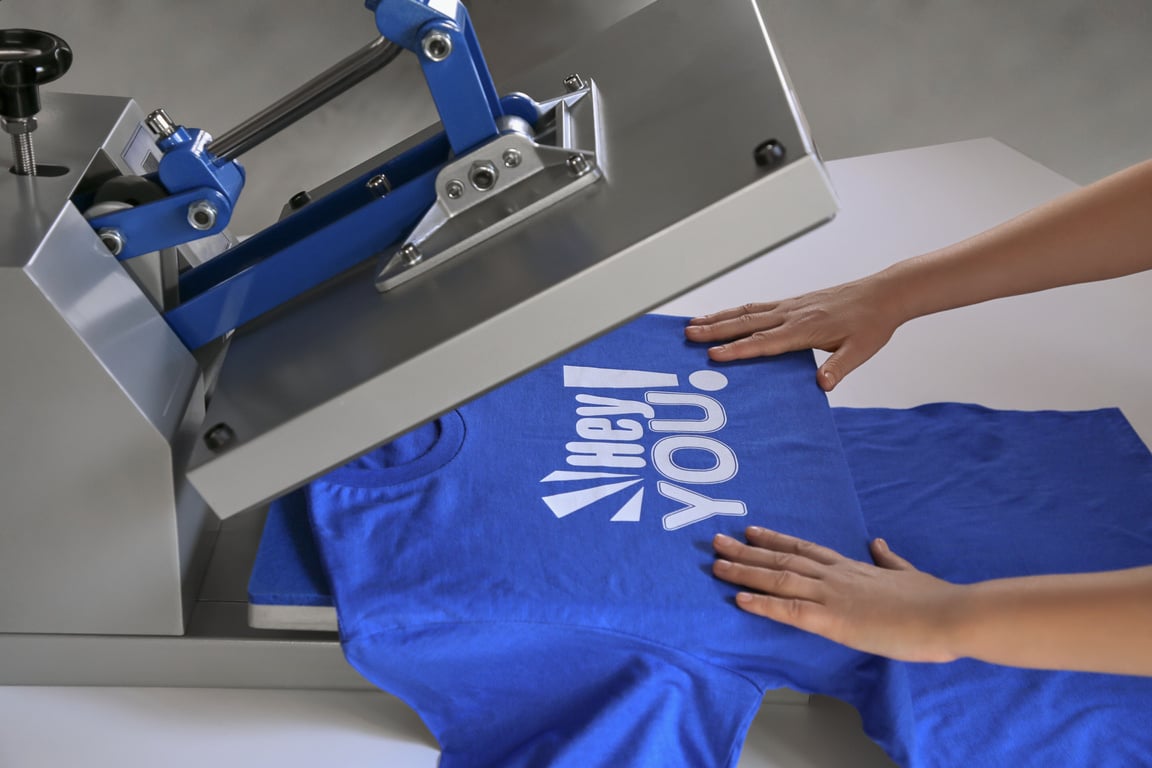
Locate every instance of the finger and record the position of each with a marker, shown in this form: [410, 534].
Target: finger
[847, 358]
[801, 614]
[737, 327]
[768, 581]
[886, 558]
[728, 314]
[782, 542]
[774, 341]
[739, 552]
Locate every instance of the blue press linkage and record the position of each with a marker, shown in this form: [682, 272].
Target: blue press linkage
[190, 174]
[343, 229]
[461, 85]
[314, 244]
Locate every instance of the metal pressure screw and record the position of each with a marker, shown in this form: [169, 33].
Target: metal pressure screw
[160, 124]
[454, 189]
[28, 59]
[436, 45]
[512, 158]
[578, 165]
[411, 255]
[23, 153]
[574, 83]
[202, 215]
[379, 185]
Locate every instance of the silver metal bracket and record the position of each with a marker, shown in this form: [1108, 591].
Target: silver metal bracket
[504, 182]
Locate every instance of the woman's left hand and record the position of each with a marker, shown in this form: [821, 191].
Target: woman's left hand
[890, 608]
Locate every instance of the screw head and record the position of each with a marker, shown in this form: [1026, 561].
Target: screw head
[379, 185]
[769, 153]
[512, 158]
[483, 175]
[219, 437]
[578, 165]
[160, 124]
[454, 189]
[411, 255]
[113, 240]
[574, 83]
[299, 200]
[202, 215]
[437, 45]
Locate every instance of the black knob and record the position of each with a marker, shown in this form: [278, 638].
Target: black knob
[28, 59]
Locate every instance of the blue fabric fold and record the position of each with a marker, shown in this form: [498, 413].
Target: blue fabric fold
[969, 494]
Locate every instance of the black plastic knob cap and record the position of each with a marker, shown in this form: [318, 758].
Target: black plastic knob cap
[28, 59]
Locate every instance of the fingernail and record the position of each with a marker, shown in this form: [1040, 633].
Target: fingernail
[744, 598]
[723, 565]
[881, 543]
[722, 539]
[755, 530]
[720, 348]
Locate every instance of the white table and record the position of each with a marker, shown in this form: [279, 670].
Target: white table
[1081, 347]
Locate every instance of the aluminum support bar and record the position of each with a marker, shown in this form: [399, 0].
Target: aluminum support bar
[306, 99]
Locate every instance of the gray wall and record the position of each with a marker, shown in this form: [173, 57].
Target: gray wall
[1068, 82]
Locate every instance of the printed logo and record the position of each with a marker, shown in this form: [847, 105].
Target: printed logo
[611, 424]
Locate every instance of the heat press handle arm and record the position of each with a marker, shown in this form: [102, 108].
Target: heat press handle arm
[306, 99]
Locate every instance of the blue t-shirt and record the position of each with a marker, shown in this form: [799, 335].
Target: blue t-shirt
[969, 494]
[531, 572]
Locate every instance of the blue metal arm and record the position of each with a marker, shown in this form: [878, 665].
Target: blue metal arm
[192, 177]
[316, 243]
[333, 234]
[440, 33]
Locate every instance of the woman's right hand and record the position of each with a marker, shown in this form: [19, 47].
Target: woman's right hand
[852, 321]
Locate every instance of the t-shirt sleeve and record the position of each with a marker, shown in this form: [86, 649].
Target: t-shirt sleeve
[967, 493]
[594, 698]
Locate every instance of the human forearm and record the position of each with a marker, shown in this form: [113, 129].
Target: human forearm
[1097, 622]
[1095, 233]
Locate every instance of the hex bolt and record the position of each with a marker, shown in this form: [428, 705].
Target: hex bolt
[454, 189]
[578, 165]
[379, 185]
[160, 124]
[436, 45]
[113, 240]
[769, 153]
[574, 83]
[411, 255]
[483, 175]
[512, 158]
[202, 215]
[219, 437]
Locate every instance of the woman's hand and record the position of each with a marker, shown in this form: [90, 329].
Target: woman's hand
[852, 321]
[889, 608]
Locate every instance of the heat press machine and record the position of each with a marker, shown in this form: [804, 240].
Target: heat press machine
[163, 380]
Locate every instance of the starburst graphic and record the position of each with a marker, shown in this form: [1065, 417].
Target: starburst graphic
[564, 504]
